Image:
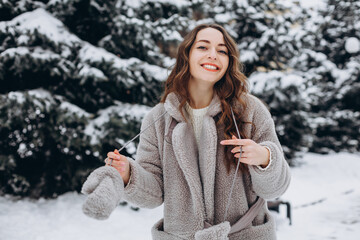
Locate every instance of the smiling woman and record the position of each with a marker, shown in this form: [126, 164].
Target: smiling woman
[208, 63]
[188, 155]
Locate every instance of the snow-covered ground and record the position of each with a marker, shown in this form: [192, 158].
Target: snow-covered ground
[324, 192]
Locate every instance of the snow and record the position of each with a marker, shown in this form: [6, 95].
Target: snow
[292, 80]
[87, 71]
[91, 54]
[264, 81]
[134, 3]
[223, 18]
[178, 3]
[95, 128]
[95, 55]
[17, 96]
[308, 4]
[45, 24]
[156, 72]
[248, 56]
[73, 109]
[324, 194]
[172, 36]
[352, 45]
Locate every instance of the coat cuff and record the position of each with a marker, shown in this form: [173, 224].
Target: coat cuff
[131, 185]
[140, 188]
[274, 181]
[267, 167]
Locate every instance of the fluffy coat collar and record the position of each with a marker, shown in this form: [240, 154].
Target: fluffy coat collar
[172, 104]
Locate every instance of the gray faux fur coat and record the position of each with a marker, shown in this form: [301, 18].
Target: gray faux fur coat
[167, 171]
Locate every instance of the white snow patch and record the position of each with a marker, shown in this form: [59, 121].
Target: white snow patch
[87, 71]
[74, 109]
[248, 56]
[262, 81]
[291, 79]
[172, 36]
[352, 45]
[324, 193]
[95, 127]
[155, 71]
[45, 24]
[224, 17]
[37, 53]
[178, 3]
[309, 4]
[18, 96]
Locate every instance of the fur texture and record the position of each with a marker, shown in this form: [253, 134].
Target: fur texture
[104, 188]
[192, 182]
[217, 232]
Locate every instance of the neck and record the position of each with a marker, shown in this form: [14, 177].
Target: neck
[200, 95]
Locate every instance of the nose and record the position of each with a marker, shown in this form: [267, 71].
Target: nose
[212, 54]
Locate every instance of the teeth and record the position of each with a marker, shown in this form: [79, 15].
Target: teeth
[210, 67]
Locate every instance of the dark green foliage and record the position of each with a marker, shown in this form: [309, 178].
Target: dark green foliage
[12, 8]
[88, 19]
[75, 84]
[341, 19]
[43, 146]
[288, 109]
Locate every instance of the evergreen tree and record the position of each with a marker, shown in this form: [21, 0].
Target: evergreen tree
[78, 76]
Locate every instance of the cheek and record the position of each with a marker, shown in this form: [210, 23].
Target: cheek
[191, 66]
[225, 66]
[193, 63]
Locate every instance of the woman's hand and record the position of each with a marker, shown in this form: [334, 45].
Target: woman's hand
[120, 163]
[252, 153]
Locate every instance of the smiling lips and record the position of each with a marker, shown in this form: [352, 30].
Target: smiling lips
[210, 67]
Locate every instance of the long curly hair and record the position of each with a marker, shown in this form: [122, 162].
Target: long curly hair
[229, 88]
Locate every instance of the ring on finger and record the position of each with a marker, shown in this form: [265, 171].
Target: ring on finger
[107, 161]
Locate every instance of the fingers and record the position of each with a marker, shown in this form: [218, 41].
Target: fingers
[119, 165]
[114, 156]
[237, 142]
[243, 155]
[237, 149]
[239, 152]
[115, 159]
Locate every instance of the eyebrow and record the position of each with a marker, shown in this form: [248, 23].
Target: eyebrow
[207, 41]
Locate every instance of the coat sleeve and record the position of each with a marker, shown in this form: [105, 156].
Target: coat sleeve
[145, 188]
[273, 181]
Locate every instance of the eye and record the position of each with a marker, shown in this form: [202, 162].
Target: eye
[201, 47]
[223, 52]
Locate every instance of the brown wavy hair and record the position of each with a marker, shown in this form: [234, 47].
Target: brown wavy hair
[229, 88]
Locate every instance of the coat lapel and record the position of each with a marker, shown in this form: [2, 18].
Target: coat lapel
[187, 154]
[185, 150]
[207, 162]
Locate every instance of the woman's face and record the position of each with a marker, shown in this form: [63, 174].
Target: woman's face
[208, 57]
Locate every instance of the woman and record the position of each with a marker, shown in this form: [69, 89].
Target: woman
[188, 157]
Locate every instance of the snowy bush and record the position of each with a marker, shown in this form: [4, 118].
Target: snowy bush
[42, 144]
[78, 76]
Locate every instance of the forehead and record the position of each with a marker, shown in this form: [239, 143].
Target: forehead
[210, 34]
